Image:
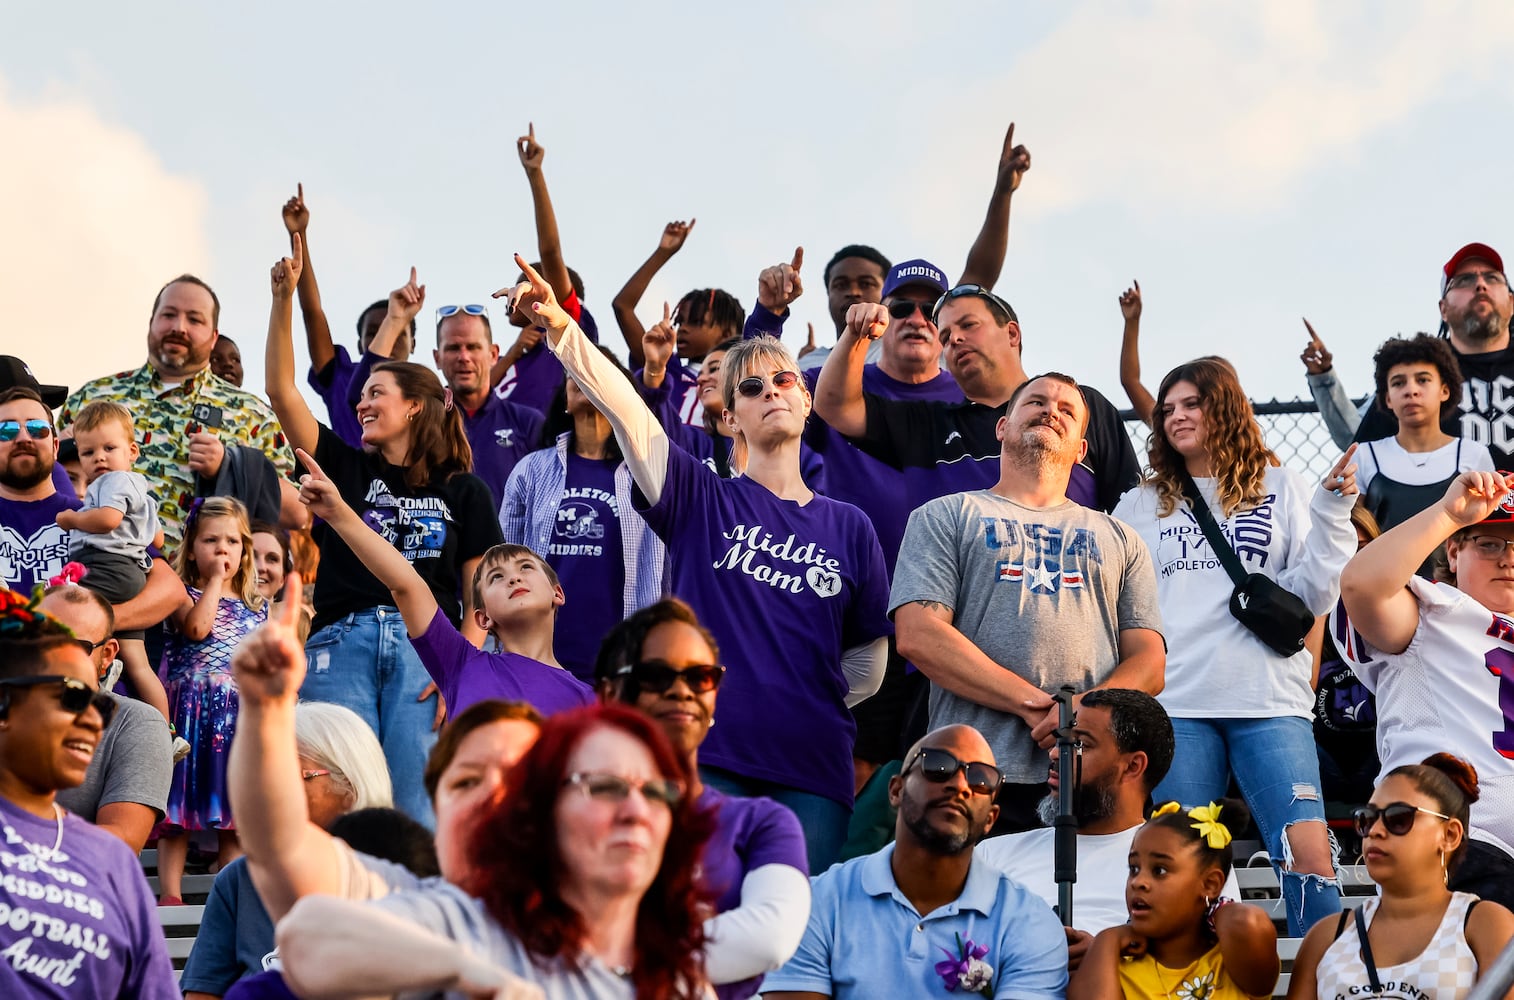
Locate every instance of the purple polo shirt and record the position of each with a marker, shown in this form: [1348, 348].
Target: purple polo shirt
[501, 433]
[785, 589]
[467, 675]
[533, 381]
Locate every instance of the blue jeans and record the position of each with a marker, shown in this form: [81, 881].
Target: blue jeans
[823, 820]
[1277, 768]
[365, 662]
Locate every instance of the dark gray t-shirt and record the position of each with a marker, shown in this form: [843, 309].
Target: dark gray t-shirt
[133, 763]
[1044, 593]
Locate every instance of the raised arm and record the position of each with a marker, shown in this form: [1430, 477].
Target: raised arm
[838, 393]
[1335, 407]
[300, 425]
[641, 439]
[625, 301]
[1373, 584]
[548, 244]
[405, 303]
[985, 261]
[1130, 354]
[411, 594]
[657, 347]
[317, 330]
[288, 856]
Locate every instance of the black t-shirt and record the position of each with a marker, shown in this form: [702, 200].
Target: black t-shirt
[957, 441]
[437, 528]
[1486, 415]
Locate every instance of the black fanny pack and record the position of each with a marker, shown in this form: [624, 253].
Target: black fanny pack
[1270, 612]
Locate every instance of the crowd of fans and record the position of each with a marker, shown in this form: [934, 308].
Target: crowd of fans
[430, 679]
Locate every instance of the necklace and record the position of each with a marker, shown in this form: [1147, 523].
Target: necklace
[58, 841]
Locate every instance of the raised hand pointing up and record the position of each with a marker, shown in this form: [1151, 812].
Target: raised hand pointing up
[531, 152]
[779, 285]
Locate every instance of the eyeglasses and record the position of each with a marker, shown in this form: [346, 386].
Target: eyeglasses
[751, 387]
[1469, 279]
[1491, 546]
[37, 430]
[472, 309]
[315, 772]
[74, 695]
[939, 766]
[90, 647]
[602, 787]
[905, 308]
[1397, 817]
[977, 291]
[658, 676]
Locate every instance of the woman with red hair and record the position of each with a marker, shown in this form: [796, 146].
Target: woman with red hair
[582, 882]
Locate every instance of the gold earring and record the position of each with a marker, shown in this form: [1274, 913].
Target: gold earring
[1445, 876]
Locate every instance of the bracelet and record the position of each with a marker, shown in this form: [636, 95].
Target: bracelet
[1214, 908]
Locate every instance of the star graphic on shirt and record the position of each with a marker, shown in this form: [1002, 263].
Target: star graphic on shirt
[1040, 577]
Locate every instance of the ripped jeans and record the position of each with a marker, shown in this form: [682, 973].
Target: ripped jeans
[1277, 769]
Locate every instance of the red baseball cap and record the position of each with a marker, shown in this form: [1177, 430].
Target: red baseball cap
[1504, 512]
[1472, 251]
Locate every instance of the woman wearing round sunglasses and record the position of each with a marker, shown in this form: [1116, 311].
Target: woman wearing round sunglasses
[583, 881]
[664, 663]
[412, 482]
[78, 917]
[792, 584]
[1440, 656]
[1423, 939]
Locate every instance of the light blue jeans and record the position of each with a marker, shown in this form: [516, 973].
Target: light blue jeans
[1277, 768]
[823, 820]
[365, 662]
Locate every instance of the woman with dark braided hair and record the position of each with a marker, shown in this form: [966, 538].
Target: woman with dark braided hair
[76, 916]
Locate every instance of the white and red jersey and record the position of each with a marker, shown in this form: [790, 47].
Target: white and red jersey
[1451, 690]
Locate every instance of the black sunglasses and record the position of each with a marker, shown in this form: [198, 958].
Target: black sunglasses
[751, 387]
[659, 676]
[977, 291]
[75, 696]
[905, 308]
[1398, 817]
[939, 766]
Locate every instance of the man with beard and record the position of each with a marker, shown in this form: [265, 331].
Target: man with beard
[1002, 596]
[927, 891]
[1475, 307]
[186, 415]
[981, 346]
[1124, 747]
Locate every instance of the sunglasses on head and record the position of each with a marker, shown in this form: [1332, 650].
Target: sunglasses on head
[37, 430]
[940, 766]
[658, 676]
[605, 787]
[471, 309]
[1398, 817]
[74, 695]
[1005, 310]
[751, 387]
[905, 308]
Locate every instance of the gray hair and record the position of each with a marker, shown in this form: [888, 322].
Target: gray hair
[337, 739]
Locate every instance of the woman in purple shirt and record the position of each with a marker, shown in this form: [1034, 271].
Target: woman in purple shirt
[792, 584]
[664, 663]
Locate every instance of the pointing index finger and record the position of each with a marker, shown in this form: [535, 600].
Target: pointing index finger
[798, 258]
[294, 591]
[1009, 137]
[315, 470]
[537, 282]
[1313, 337]
[300, 189]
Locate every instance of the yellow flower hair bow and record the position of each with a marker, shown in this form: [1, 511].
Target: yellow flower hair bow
[1163, 810]
[1209, 826]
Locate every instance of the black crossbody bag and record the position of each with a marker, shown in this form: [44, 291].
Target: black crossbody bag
[1270, 612]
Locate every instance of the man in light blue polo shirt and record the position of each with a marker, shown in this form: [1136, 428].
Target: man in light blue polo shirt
[866, 935]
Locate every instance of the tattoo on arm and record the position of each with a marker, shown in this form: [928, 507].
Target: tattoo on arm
[934, 606]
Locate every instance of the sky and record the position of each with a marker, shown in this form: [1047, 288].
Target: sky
[1249, 163]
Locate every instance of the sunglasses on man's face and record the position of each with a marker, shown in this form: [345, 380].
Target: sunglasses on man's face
[905, 308]
[659, 677]
[37, 430]
[1398, 817]
[751, 387]
[939, 767]
[74, 695]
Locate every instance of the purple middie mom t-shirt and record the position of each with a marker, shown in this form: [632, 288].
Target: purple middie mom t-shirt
[785, 589]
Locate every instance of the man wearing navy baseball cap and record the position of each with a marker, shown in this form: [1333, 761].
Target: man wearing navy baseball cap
[1475, 306]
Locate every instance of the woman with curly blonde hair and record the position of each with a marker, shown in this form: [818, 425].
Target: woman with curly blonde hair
[1237, 706]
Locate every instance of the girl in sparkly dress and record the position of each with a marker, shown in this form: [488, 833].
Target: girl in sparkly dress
[221, 605]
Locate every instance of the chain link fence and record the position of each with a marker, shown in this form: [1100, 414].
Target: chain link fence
[1292, 428]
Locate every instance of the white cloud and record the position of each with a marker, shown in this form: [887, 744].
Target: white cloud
[95, 223]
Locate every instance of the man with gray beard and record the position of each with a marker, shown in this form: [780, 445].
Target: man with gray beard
[929, 891]
[1004, 595]
[1475, 306]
